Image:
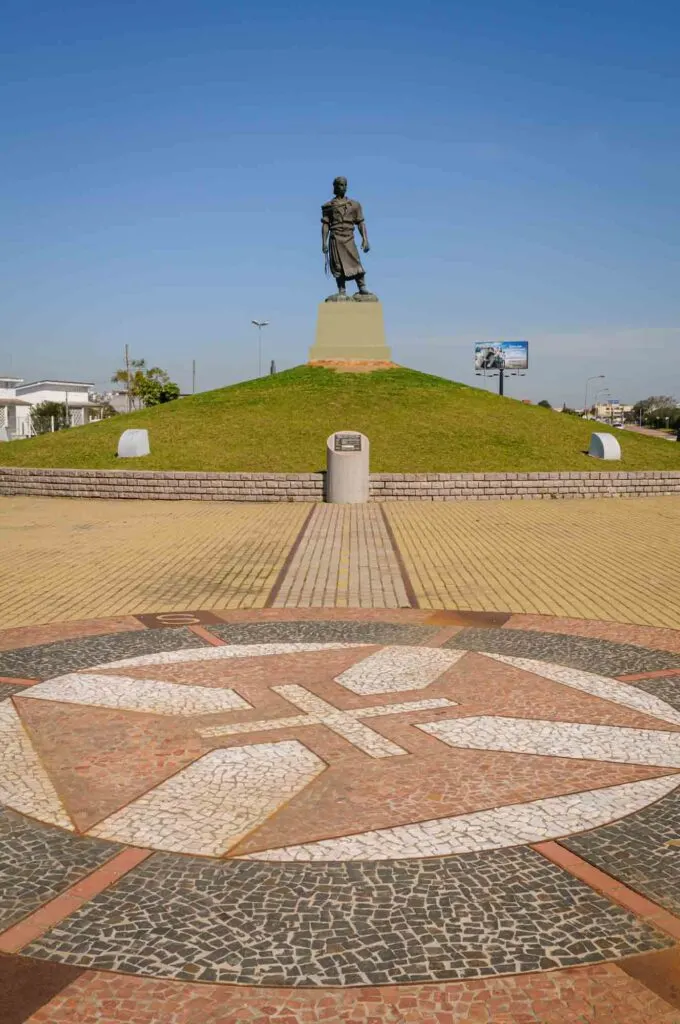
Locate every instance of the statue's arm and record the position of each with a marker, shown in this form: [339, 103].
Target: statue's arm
[324, 235]
[364, 236]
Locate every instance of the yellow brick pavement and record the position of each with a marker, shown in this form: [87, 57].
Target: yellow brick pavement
[65, 559]
[613, 559]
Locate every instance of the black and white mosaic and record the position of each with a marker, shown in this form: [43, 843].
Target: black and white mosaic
[38, 862]
[634, 850]
[46, 660]
[8, 690]
[602, 657]
[665, 687]
[323, 632]
[472, 916]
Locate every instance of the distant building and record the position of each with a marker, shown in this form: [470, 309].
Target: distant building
[118, 400]
[612, 412]
[17, 399]
[9, 404]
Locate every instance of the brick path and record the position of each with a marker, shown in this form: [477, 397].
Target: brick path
[609, 559]
[345, 560]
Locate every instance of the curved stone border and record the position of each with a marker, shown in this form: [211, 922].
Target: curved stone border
[478, 915]
[117, 483]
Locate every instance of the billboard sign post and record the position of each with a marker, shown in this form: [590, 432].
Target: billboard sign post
[501, 357]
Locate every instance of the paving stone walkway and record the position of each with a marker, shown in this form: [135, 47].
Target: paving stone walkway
[612, 560]
[327, 787]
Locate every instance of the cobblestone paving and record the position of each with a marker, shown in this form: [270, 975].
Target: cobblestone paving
[339, 924]
[591, 655]
[589, 995]
[340, 631]
[634, 850]
[55, 659]
[8, 689]
[665, 687]
[38, 862]
[401, 933]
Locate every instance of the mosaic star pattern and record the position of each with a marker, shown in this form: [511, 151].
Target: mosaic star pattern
[137, 695]
[485, 830]
[345, 814]
[209, 806]
[395, 669]
[24, 784]
[561, 739]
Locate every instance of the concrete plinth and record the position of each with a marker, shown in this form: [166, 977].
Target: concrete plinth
[350, 330]
[347, 468]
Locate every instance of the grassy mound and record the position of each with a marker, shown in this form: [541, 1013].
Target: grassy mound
[416, 423]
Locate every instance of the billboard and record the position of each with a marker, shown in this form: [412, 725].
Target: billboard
[501, 355]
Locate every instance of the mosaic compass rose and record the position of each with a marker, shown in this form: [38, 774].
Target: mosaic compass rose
[333, 751]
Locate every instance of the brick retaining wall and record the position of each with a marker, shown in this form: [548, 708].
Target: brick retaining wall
[117, 483]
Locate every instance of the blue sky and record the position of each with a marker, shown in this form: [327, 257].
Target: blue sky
[517, 161]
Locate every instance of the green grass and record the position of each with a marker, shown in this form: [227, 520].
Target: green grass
[415, 422]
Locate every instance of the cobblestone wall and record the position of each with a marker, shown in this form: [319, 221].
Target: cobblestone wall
[115, 483]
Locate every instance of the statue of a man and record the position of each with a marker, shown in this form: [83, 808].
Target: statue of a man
[339, 217]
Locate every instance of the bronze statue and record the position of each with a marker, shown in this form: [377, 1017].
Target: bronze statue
[339, 217]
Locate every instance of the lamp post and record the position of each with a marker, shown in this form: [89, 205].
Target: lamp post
[259, 324]
[598, 376]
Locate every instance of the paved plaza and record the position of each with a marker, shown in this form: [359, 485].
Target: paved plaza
[383, 764]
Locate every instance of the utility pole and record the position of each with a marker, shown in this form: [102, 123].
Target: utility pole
[193, 377]
[127, 375]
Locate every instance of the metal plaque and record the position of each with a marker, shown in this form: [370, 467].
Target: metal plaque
[348, 442]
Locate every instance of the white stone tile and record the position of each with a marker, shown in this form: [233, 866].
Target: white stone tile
[560, 739]
[394, 669]
[25, 786]
[343, 722]
[130, 694]
[501, 827]
[226, 652]
[599, 686]
[264, 725]
[209, 806]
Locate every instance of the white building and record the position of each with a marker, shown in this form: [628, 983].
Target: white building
[17, 400]
[612, 412]
[9, 404]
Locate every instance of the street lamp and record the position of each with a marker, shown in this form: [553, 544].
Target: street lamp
[598, 376]
[259, 324]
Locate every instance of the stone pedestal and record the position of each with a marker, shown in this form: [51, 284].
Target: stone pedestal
[347, 468]
[350, 330]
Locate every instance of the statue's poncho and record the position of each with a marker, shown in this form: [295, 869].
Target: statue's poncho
[342, 216]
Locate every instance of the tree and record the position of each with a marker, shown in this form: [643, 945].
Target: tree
[146, 385]
[544, 403]
[654, 411]
[155, 387]
[47, 416]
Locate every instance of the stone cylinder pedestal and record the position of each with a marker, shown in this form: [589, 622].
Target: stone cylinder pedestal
[347, 466]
